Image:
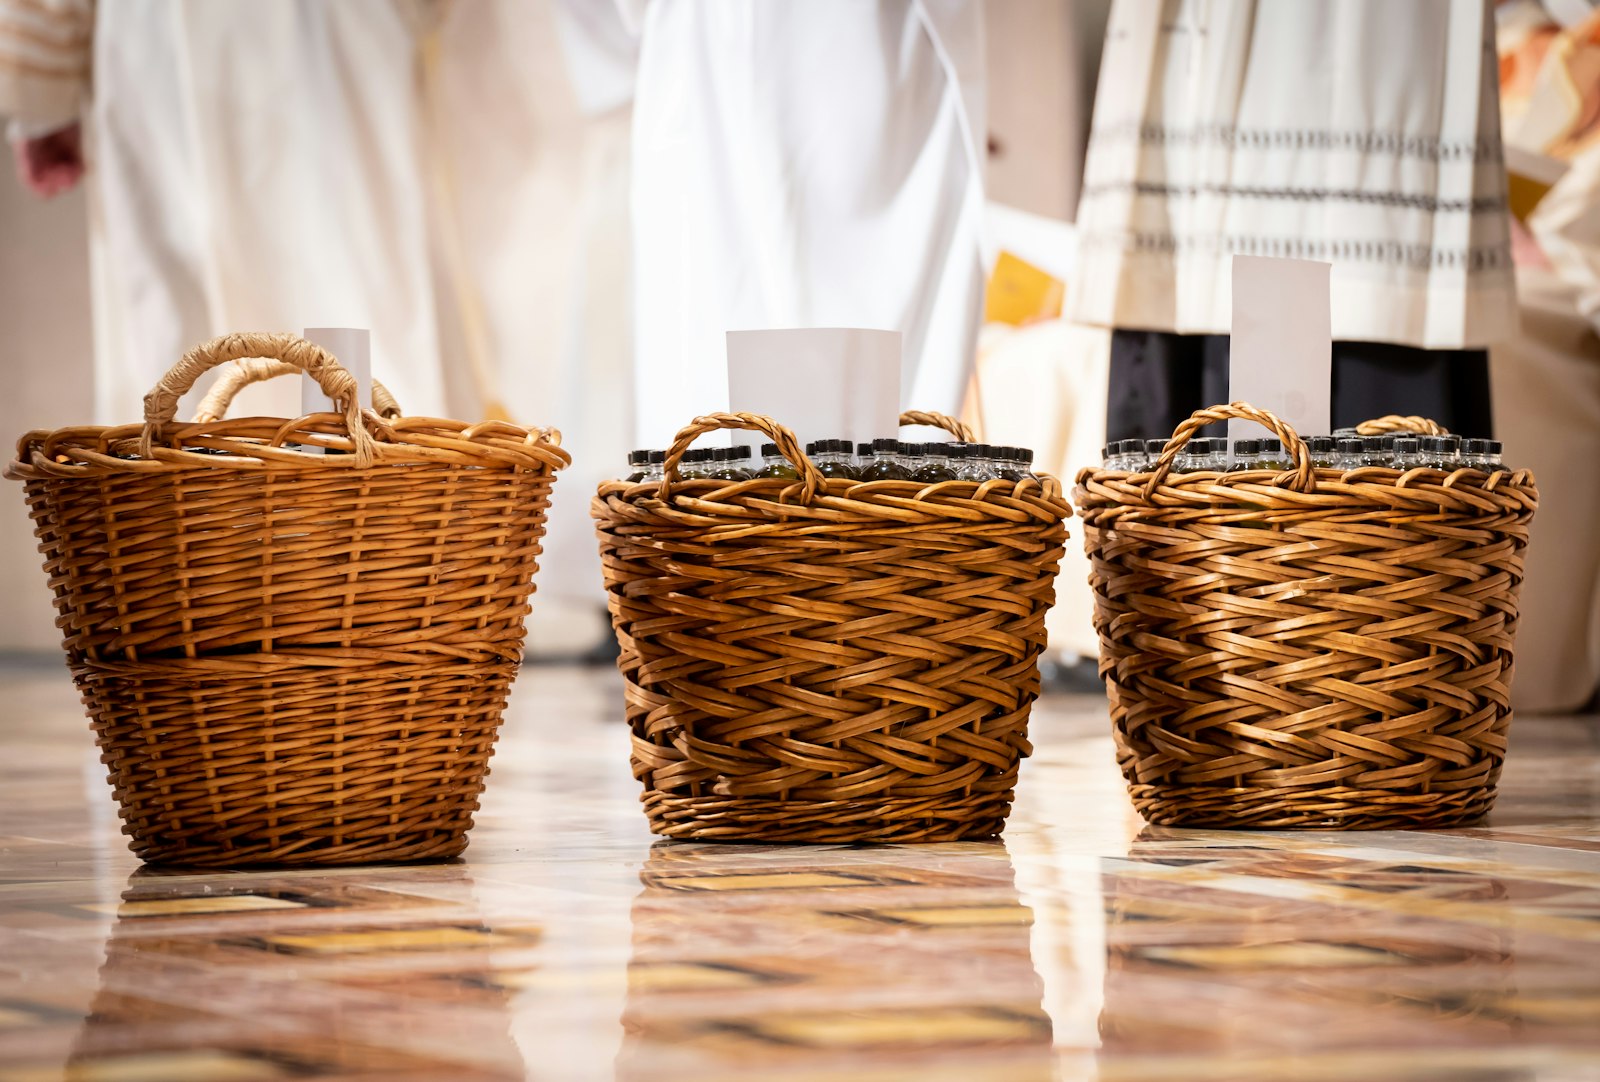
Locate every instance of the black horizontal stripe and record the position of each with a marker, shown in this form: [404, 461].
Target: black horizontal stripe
[1493, 204]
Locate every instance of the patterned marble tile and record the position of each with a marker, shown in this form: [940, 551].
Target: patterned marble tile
[569, 944]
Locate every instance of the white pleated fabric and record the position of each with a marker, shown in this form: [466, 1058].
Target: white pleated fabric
[1363, 133]
[811, 164]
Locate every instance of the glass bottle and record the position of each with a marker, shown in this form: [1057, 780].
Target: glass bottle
[1442, 452]
[637, 460]
[1272, 456]
[1008, 464]
[656, 469]
[1492, 459]
[832, 458]
[1347, 453]
[1475, 454]
[1373, 452]
[1321, 449]
[692, 466]
[773, 464]
[1406, 453]
[936, 465]
[1023, 457]
[863, 458]
[728, 464]
[1246, 456]
[887, 462]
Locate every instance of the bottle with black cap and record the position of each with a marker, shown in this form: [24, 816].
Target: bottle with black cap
[888, 462]
[656, 469]
[637, 461]
[936, 465]
[832, 458]
[1322, 450]
[863, 458]
[773, 464]
[1406, 452]
[1442, 452]
[1246, 456]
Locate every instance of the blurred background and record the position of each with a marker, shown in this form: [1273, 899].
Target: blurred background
[535, 206]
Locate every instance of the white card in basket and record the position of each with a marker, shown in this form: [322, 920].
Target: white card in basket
[820, 382]
[1280, 357]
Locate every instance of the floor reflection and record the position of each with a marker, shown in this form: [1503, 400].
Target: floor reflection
[570, 945]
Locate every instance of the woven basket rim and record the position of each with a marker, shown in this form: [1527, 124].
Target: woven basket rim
[254, 443]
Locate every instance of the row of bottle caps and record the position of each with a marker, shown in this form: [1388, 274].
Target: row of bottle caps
[1341, 451]
[880, 460]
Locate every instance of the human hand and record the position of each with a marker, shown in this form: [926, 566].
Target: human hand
[50, 164]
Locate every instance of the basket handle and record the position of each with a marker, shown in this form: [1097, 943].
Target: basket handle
[247, 370]
[788, 446]
[1381, 426]
[161, 404]
[938, 420]
[1304, 478]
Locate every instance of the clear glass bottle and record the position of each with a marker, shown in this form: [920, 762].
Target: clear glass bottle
[1373, 452]
[742, 460]
[773, 464]
[1008, 464]
[655, 470]
[1321, 449]
[965, 462]
[637, 460]
[1348, 453]
[936, 465]
[863, 458]
[888, 462]
[1442, 452]
[1475, 454]
[1272, 456]
[1152, 452]
[728, 464]
[832, 458]
[1023, 458]
[1406, 453]
[1246, 456]
[693, 465]
[1492, 458]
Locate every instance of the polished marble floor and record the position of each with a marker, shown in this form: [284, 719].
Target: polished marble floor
[568, 944]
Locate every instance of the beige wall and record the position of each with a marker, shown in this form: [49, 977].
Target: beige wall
[45, 366]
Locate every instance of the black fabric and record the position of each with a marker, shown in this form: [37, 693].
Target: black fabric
[1158, 379]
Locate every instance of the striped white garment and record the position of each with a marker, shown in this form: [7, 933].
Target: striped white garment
[1362, 133]
[44, 63]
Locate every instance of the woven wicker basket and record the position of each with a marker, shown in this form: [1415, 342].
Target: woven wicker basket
[291, 656]
[827, 660]
[1312, 648]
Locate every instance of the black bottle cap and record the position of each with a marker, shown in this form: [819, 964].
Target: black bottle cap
[863, 450]
[657, 457]
[1351, 445]
[638, 457]
[740, 453]
[1405, 445]
[1373, 443]
[1438, 443]
[885, 447]
[720, 454]
[1273, 446]
[1154, 447]
[1247, 447]
[1387, 441]
[936, 450]
[1024, 455]
[769, 450]
[1494, 447]
[1475, 446]
[1320, 445]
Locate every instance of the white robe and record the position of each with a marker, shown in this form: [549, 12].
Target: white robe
[1364, 133]
[805, 165]
[420, 169]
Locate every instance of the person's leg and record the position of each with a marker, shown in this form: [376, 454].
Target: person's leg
[1451, 386]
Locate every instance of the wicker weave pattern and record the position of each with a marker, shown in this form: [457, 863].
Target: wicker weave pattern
[828, 660]
[1338, 656]
[288, 656]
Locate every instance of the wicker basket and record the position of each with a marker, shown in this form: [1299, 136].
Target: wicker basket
[1312, 648]
[827, 660]
[291, 656]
